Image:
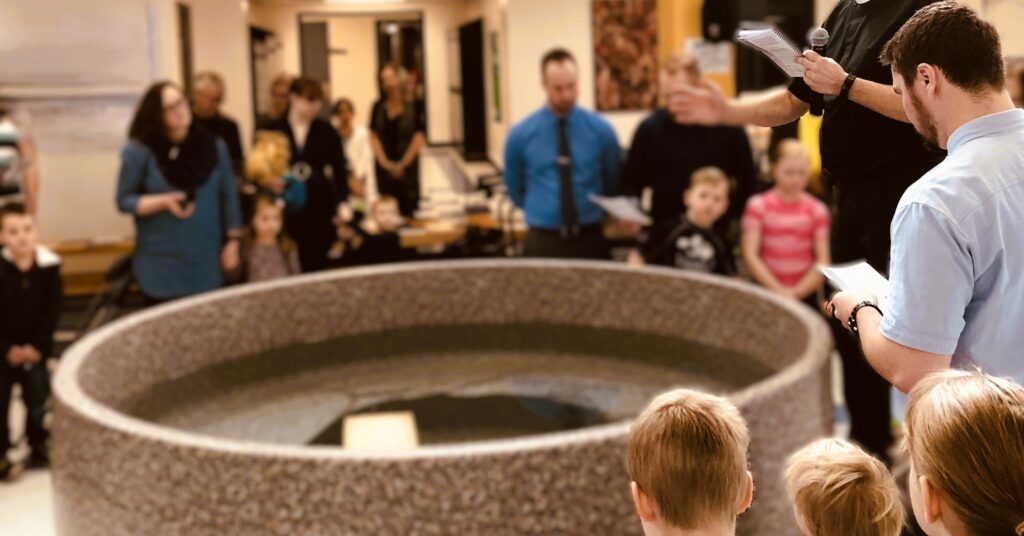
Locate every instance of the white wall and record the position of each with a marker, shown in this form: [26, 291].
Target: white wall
[281, 17]
[354, 74]
[80, 69]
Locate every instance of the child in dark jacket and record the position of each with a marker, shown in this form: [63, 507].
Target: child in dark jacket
[30, 302]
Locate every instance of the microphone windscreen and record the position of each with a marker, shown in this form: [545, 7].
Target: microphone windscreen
[818, 37]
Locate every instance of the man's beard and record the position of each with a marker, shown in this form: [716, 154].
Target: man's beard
[926, 128]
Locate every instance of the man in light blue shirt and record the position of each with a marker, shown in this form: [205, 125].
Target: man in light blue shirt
[554, 160]
[957, 263]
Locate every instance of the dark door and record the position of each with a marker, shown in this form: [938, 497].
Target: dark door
[313, 37]
[474, 111]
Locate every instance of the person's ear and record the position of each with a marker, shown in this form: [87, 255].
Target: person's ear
[930, 499]
[748, 495]
[928, 75]
[644, 508]
[687, 196]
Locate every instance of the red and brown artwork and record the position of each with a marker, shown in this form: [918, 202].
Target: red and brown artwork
[625, 54]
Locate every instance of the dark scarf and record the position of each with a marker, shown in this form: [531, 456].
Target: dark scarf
[195, 160]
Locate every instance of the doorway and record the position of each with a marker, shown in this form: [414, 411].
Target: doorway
[345, 51]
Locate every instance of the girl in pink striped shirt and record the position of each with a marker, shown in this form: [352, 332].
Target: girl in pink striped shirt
[786, 230]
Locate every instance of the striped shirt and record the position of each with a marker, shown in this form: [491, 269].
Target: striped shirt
[788, 231]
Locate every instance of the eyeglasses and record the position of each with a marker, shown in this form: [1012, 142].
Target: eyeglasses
[175, 105]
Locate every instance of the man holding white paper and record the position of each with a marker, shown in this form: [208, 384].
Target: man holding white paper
[870, 155]
[957, 273]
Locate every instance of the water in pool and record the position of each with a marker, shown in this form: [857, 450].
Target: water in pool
[463, 383]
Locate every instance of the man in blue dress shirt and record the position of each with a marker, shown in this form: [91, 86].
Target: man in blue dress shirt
[957, 268]
[554, 160]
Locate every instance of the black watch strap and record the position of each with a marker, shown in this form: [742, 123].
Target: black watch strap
[852, 321]
[845, 93]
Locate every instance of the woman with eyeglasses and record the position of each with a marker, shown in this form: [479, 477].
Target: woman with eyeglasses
[176, 181]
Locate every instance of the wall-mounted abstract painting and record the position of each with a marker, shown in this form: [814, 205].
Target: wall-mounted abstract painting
[625, 34]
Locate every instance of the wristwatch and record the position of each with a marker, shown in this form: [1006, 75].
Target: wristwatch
[852, 321]
[845, 93]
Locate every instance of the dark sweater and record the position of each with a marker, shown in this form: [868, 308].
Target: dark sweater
[664, 154]
[322, 157]
[29, 302]
[226, 129]
[689, 247]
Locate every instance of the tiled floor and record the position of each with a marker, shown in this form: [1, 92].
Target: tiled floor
[25, 506]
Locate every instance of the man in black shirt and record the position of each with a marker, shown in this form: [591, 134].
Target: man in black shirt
[207, 96]
[664, 154]
[870, 155]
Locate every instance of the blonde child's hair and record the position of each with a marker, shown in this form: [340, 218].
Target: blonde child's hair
[269, 159]
[687, 452]
[682, 61]
[837, 488]
[788, 147]
[965, 432]
[709, 175]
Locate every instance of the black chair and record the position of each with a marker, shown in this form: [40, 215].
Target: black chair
[117, 283]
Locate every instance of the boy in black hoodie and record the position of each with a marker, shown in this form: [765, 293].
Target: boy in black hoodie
[692, 243]
[30, 301]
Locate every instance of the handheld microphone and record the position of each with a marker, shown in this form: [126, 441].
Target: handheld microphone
[819, 40]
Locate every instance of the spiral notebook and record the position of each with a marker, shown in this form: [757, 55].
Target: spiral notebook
[776, 46]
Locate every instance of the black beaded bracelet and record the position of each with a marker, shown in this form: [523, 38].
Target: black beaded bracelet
[852, 321]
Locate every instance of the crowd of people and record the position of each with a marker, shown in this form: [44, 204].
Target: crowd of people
[309, 196]
[313, 194]
[899, 98]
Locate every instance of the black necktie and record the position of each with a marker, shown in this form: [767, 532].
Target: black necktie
[568, 199]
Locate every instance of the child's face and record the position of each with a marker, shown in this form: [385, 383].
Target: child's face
[305, 109]
[792, 172]
[18, 233]
[344, 114]
[387, 216]
[705, 203]
[267, 220]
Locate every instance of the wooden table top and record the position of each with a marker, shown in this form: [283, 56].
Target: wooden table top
[84, 263]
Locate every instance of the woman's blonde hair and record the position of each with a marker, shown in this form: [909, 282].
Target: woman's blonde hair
[839, 489]
[965, 432]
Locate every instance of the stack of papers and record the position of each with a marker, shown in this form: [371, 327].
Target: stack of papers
[775, 46]
[622, 208]
[859, 276]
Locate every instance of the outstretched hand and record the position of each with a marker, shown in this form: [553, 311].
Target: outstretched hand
[702, 104]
